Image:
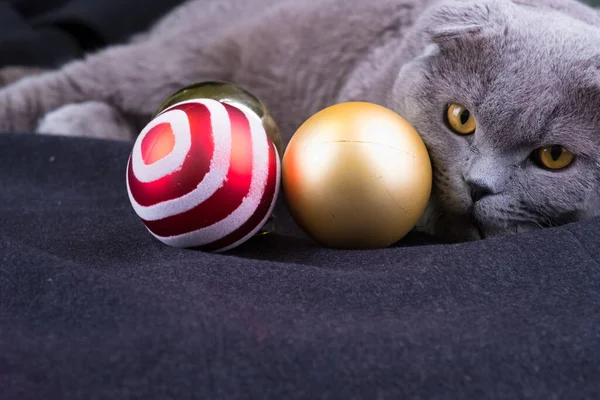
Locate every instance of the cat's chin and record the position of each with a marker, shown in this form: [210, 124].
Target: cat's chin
[489, 228]
[466, 229]
[469, 227]
[451, 227]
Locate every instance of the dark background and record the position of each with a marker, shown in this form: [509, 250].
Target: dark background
[50, 32]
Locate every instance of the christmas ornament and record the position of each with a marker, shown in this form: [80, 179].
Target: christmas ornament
[203, 174]
[229, 93]
[356, 175]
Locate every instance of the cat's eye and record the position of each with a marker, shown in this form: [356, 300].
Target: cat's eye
[553, 157]
[460, 119]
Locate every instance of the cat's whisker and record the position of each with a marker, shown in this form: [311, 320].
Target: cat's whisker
[538, 224]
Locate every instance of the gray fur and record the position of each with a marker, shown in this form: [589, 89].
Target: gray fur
[73, 119]
[527, 70]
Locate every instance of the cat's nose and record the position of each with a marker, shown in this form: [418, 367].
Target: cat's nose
[478, 190]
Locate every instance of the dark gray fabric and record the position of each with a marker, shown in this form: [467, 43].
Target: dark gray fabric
[93, 307]
[49, 33]
[111, 21]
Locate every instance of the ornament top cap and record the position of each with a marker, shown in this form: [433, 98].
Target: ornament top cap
[229, 93]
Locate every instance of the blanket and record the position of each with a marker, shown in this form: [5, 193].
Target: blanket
[93, 307]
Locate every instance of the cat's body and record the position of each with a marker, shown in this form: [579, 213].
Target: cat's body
[526, 72]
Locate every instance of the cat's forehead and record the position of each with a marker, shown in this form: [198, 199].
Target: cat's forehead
[530, 56]
[547, 35]
[548, 79]
[503, 29]
[531, 80]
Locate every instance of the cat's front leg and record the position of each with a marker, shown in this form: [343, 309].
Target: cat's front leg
[24, 102]
[134, 79]
[90, 119]
[12, 74]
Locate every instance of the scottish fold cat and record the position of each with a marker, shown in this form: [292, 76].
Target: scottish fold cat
[504, 93]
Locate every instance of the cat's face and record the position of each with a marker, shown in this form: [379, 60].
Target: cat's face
[506, 99]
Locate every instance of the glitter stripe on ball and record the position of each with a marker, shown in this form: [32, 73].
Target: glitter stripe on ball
[249, 205]
[260, 217]
[156, 143]
[212, 180]
[229, 196]
[180, 126]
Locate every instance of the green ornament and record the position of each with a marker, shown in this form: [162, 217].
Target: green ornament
[230, 93]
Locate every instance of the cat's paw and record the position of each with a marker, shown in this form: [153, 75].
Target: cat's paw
[89, 119]
[12, 74]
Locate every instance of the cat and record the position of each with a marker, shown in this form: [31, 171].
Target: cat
[504, 93]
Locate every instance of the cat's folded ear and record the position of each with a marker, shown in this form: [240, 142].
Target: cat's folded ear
[461, 19]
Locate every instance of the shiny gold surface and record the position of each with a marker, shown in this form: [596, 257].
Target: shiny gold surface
[356, 175]
[228, 93]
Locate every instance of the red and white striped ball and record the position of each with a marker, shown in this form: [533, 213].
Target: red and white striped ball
[204, 174]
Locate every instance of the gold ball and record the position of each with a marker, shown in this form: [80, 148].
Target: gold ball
[356, 175]
[228, 93]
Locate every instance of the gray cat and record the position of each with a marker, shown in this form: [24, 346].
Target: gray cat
[504, 93]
